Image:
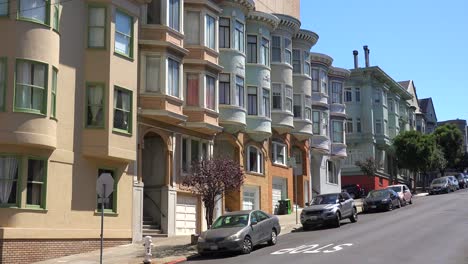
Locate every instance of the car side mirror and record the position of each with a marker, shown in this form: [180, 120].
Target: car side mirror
[253, 222]
[307, 204]
[341, 200]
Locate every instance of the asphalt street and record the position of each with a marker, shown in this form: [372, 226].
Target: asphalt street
[434, 229]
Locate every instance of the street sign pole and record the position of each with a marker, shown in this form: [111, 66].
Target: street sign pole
[102, 220]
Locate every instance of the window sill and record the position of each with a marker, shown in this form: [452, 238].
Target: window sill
[30, 20]
[34, 208]
[106, 213]
[123, 56]
[27, 208]
[280, 165]
[95, 127]
[121, 132]
[255, 173]
[28, 111]
[331, 183]
[97, 48]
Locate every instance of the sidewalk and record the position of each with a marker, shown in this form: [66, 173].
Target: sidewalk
[165, 250]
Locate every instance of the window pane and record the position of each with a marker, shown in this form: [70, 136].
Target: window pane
[315, 80]
[174, 11]
[122, 109]
[239, 91]
[210, 32]
[153, 15]
[28, 96]
[97, 17]
[210, 92]
[297, 106]
[33, 9]
[224, 32]
[185, 164]
[152, 73]
[123, 33]
[192, 89]
[36, 179]
[266, 102]
[239, 36]
[296, 61]
[316, 122]
[224, 89]
[192, 29]
[287, 51]
[277, 96]
[195, 152]
[173, 77]
[253, 159]
[95, 105]
[4, 7]
[252, 101]
[265, 52]
[251, 48]
[337, 93]
[323, 82]
[276, 49]
[8, 179]
[96, 37]
[54, 94]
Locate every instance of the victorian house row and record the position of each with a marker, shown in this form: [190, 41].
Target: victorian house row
[140, 90]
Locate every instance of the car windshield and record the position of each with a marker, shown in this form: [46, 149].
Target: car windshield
[325, 199]
[396, 188]
[378, 194]
[228, 221]
[439, 181]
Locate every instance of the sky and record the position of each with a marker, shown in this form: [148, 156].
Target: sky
[421, 40]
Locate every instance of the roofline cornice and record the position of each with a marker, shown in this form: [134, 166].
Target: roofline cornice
[288, 23]
[271, 20]
[307, 36]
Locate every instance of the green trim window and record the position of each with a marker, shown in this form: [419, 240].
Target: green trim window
[31, 86]
[53, 100]
[3, 76]
[36, 183]
[9, 167]
[122, 110]
[110, 205]
[96, 27]
[4, 7]
[56, 21]
[123, 34]
[34, 10]
[95, 97]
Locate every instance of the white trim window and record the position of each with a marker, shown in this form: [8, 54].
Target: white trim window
[210, 91]
[288, 95]
[192, 150]
[266, 102]
[173, 83]
[279, 153]
[316, 122]
[332, 172]
[225, 88]
[239, 36]
[254, 160]
[152, 65]
[358, 125]
[252, 100]
[210, 32]
[297, 109]
[315, 80]
[357, 94]
[265, 52]
[377, 96]
[276, 49]
[337, 93]
[277, 97]
[391, 105]
[239, 91]
[251, 48]
[174, 14]
[325, 121]
[308, 108]
[224, 32]
[378, 126]
[296, 61]
[348, 95]
[306, 63]
[323, 81]
[192, 29]
[349, 125]
[288, 51]
[338, 132]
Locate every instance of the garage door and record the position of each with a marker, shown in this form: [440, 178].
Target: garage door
[278, 192]
[186, 215]
[250, 200]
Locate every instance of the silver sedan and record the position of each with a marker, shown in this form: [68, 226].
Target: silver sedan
[239, 231]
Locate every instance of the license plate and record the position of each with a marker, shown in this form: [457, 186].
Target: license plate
[373, 206]
[312, 217]
[214, 247]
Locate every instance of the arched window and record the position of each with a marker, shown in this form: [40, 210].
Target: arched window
[254, 160]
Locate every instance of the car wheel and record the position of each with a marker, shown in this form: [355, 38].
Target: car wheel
[399, 203]
[247, 246]
[336, 221]
[204, 254]
[354, 216]
[273, 239]
[390, 206]
[411, 201]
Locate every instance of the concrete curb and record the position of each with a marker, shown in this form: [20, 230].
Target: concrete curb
[177, 261]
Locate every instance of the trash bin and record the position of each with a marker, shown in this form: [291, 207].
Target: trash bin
[284, 207]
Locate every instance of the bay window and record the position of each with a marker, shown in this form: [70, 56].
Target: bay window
[224, 88]
[224, 32]
[173, 77]
[9, 180]
[35, 189]
[296, 61]
[31, 86]
[276, 49]
[297, 110]
[279, 153]
[34, 10]
[192, 29]
[277, 96]
[239, 36]
[316, 122]
[323, 82]
[122, 110]
[251, 48]
[174, 14]
[324, 131]
[210, 92]
[337, 127]
[266, 102]
[254, 160]
[123, 34]
[95, 105]
[265, 52]
[192, 93]
[306, 63]
[153, 12]
[315, 80]
[239, 91]
[337, 93]
[252, 100]
[96, 27]
[152, 73]
[287, 51]
[210, 29]
[192, 150]
[288, 95]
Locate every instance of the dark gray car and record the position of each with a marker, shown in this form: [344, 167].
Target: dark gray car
[239, 231]
[329, 209]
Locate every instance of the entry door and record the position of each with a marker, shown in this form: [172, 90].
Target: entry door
[278, 191]
[186, 215]
[250, 200]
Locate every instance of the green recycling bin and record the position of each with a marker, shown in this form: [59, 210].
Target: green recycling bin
[284, 207]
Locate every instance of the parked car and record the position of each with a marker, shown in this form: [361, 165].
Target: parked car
[440, 185]
[461, 180]
[453, 182]
[239, 232]
[403, 192]
[354, 190]
[385, 199]
[329, 209]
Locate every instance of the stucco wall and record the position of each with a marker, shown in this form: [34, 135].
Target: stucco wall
[290, 7]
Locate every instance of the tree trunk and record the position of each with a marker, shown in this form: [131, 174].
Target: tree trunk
[209, 209]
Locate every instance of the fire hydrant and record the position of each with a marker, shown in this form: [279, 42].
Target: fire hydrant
[148, 244]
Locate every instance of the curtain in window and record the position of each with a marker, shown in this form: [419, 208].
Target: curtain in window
[152, 74]
[192, 29]
[23, 78]
[38, 80]
[192, 90]
[121, 110]
[95, 104]
[33, 9]
[8, 178]
[123, 33]
[97, 25]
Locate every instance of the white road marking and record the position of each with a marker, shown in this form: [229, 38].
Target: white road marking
[312, 249]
